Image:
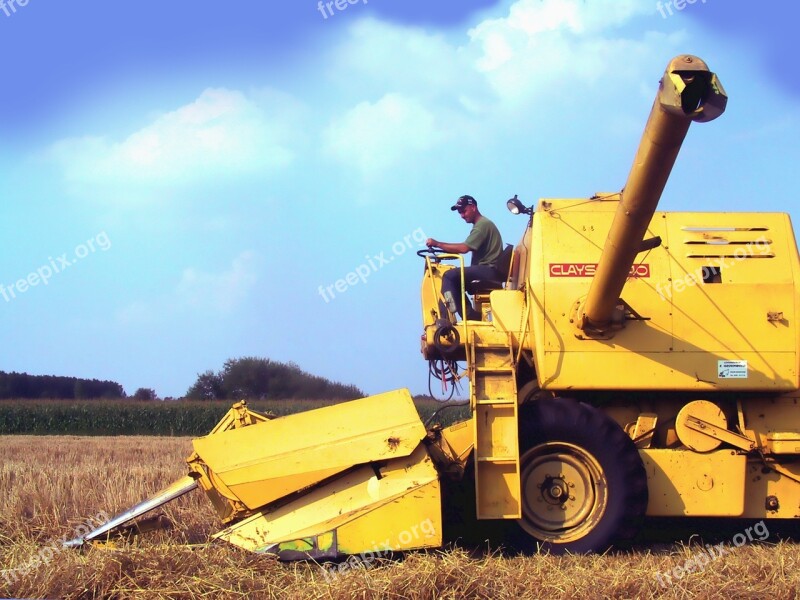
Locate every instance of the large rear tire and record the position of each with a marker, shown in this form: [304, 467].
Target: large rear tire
[583, 483]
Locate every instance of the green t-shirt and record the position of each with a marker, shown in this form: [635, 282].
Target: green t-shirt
[485, 242]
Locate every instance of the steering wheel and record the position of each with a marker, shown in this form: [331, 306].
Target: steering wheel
[434, 253]
[429, 251]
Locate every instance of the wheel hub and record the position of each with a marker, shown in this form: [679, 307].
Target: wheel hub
[555, 490]
[564, 492]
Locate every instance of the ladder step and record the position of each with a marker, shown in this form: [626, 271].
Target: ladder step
[487, 390]
[493, 394]
[494, 369]
[490, 339]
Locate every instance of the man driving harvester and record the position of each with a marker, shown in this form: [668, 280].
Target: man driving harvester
[486, 245]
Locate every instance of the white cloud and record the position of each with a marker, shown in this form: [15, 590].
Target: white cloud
[577, 16]
[534, 65]
[222, 133]
[382, 56]
[392, 93]
[564, 43]
[218, 292]
[198, 290]
[135, 313]
[373, 137]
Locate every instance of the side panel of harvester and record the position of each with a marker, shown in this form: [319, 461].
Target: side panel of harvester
[743, 305]
[712, 308]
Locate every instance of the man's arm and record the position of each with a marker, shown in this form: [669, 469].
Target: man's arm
[460, 248]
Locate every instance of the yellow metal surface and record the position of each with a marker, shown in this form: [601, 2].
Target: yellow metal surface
[268, 460]
[784, 442]
[458, 441]
[718, 432]
[757, 262]
[412, 520]
[695, 438]
[408, 487]
[223, 501]
[775, 423]
[493, 397]
[695, 335]
[643, 429]
[431, 290]
[508, 313]
[770, 494]
[239, 416]
[685, 483]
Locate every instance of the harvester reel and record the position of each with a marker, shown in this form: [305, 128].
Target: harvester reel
[582, 480]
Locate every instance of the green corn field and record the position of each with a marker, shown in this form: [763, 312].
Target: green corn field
[161, 418]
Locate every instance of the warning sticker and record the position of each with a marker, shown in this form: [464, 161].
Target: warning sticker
[732, 369]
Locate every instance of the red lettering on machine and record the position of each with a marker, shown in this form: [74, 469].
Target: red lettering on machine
[589, 270]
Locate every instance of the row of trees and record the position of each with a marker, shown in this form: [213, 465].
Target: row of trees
[22, 385]
[250, 378]
[265, 379]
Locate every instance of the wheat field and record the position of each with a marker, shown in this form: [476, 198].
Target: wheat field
[53, 488]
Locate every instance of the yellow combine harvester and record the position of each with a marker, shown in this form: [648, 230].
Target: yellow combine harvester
[634, 363]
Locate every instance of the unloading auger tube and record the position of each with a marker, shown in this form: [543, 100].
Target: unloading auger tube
[687, 92]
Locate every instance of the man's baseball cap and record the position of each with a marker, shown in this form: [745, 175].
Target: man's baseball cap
[464, 202]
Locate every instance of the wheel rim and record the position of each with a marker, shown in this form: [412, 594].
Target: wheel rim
[564, 492]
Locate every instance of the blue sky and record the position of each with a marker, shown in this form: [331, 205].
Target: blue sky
[205, 168]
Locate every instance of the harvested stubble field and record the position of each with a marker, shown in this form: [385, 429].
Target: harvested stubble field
[51, 486]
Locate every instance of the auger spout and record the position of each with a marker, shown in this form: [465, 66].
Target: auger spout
[688, 92]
